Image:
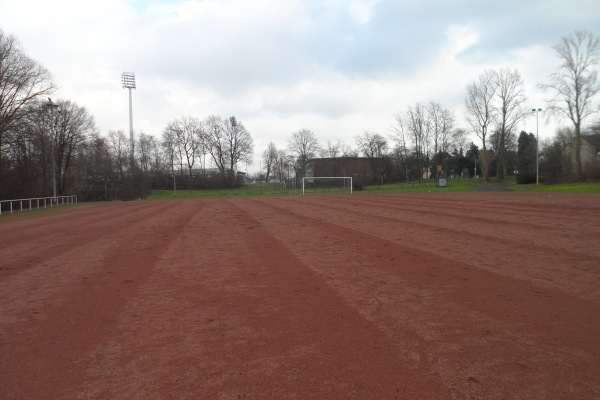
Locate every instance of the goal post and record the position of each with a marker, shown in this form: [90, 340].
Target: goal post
[336, 184]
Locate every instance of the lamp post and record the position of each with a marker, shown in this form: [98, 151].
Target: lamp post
[53, 107]
[537, 144]
[174, 185]
[128, 80]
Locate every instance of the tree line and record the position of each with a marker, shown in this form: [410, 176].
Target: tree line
[50, 148]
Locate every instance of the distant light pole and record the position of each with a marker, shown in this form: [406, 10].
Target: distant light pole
[128, 80]
[174, 185]
[52, 108]
[537, 144]
[475, 166]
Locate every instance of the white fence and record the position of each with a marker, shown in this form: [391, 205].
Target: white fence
[35, 203]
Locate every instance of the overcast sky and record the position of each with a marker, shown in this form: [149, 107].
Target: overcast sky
[336, 67]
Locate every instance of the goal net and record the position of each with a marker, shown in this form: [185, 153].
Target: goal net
[327, 184]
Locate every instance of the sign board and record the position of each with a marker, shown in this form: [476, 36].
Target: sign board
[439, 168]
[442, 183]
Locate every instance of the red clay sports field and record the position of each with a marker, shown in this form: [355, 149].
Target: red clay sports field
[424, 296]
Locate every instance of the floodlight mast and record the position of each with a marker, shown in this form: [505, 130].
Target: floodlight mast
[128, 80]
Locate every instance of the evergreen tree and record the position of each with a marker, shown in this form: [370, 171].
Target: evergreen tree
[526, 154]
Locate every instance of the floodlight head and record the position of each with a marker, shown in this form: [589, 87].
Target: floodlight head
[53, 106]
[128, 80]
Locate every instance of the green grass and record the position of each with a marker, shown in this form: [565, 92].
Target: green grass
[454, 185]
[562, 188]
[272, 189]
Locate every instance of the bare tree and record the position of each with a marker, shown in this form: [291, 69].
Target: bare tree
[502, 145]
[556, 156]
[281, 166]
[333, 149]
[479, 111]
[284, 167]
[565, 139]
[269, 158]
[509, 111]
[97, 169]
[399, 135]
[240, 145]
[447, 131]
[146, 149]
[187, 139]
[372, 145]
[415, 120]
[434, 125]
[203, 147]
[169, 146]
[143, 151]
[75, 127]
[119, 147]
[575, 84]
[150, 155]
[460, 138]
[157, 163]
[215, 134]
[447, 119]
[347, 151]
[304, 146]
[22, 80]
[34, 142]
[229, 143]
[45, 147]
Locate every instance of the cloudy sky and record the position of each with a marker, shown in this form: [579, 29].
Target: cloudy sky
[336, 67]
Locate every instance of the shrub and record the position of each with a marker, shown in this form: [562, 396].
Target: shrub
[524, 178]
[592, 170]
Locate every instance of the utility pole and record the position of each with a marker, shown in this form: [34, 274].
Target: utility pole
[537, 145]
[475, 158]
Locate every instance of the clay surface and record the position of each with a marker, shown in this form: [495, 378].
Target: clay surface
[427, 296]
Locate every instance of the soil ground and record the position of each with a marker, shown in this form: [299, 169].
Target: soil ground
[430, 296]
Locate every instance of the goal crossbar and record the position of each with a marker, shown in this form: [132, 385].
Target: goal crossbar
[313, 178]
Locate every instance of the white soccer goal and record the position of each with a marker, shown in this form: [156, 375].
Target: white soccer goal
[327, 184]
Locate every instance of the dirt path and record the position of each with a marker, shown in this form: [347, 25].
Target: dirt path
[420, 296]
